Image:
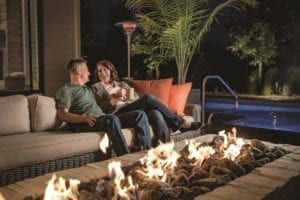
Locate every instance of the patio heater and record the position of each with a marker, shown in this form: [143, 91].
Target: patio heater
[128, 28]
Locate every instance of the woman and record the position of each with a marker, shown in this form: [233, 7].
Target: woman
[111, 96]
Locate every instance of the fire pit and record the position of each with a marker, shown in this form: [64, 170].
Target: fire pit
[209, 167]
[199, 168]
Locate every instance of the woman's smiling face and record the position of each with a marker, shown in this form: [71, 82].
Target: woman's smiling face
[104, 74]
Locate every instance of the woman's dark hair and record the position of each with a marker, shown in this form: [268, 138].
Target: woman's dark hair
[108, 65]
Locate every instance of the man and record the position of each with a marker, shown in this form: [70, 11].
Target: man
[76, 104]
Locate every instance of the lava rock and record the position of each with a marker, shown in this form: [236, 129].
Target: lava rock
[234, 167]
[248, 167]
[211, 183]
[258, 144]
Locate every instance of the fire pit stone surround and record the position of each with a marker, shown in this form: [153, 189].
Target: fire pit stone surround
[255, 185]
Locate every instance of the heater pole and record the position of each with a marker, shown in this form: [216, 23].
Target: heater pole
[128, 34]
[128, 28]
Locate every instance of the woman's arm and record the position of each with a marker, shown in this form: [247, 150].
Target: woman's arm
[103, 98]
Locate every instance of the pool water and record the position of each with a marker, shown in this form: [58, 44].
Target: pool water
[257, 114]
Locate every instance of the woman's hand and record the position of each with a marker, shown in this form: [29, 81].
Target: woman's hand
[121, 93]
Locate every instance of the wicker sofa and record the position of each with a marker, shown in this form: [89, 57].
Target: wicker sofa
[34, 142]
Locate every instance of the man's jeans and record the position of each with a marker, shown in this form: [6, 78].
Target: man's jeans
[113, 124]
[159, 127]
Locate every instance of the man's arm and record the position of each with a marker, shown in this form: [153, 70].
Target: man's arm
[65, 115]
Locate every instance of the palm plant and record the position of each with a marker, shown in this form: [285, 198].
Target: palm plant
[177, 27]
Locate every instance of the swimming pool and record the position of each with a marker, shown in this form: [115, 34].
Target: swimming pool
[281, 116]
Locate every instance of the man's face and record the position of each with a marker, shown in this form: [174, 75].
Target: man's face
[83, 73]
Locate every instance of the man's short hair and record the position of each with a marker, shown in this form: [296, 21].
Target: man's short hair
[74, 63]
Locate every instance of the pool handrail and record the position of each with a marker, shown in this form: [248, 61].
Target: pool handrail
[204, 91]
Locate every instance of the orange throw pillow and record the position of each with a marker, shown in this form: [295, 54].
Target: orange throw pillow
[158, 88]
[178, 97]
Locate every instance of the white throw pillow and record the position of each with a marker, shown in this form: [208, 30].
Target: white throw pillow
[14, 115]
[43, 114]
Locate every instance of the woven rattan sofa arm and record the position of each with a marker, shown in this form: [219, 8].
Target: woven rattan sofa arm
[193, 110]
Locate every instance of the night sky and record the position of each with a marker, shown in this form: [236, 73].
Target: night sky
[98, 14]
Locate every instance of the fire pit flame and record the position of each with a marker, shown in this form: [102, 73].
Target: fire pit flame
[232, 145]
[1, 196]
[117, 175]
[104, 143]
[57, 189]
[198, 153]
[160, 161]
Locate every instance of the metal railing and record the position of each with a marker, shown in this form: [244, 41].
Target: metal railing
[204, 91]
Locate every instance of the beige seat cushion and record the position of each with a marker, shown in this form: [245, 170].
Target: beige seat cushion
[14, 115]
[30, 148]
[25, 149]
[43, 114]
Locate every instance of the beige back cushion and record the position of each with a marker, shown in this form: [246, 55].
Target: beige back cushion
[43, 113]
[14, 115]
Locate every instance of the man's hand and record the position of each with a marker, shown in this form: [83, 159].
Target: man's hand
[65, 115]
[89, 119]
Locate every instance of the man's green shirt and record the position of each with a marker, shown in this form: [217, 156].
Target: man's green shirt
[78, 99]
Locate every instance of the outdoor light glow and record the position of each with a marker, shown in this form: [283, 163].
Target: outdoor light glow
[127, 26]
